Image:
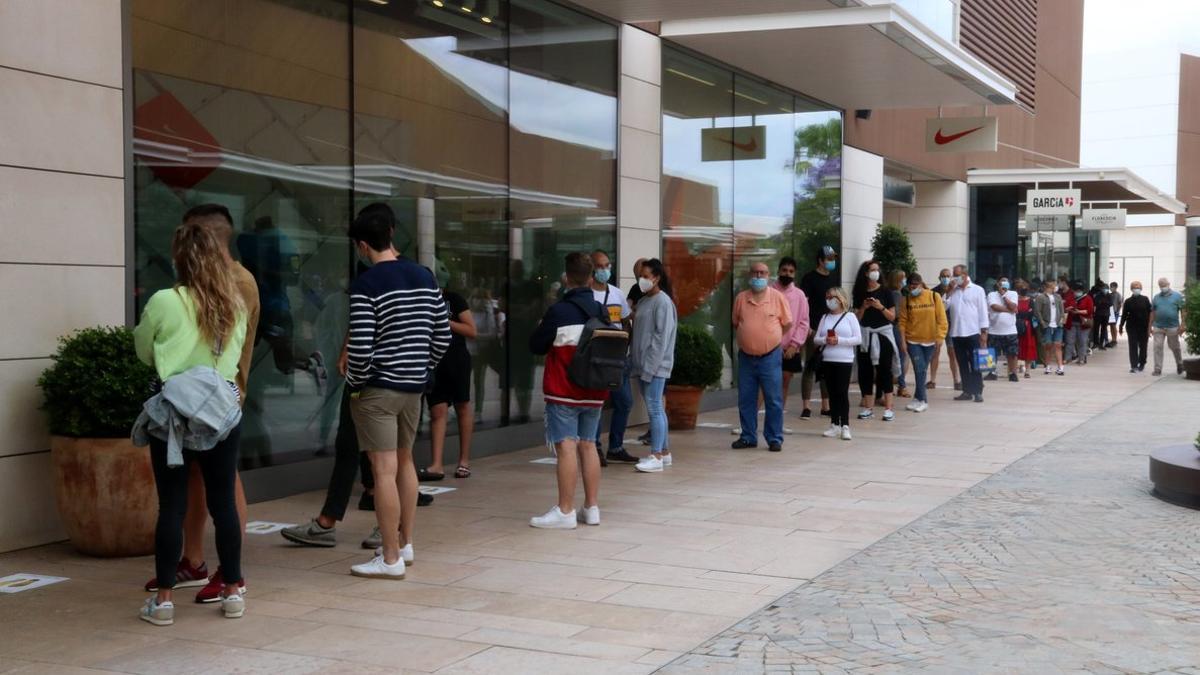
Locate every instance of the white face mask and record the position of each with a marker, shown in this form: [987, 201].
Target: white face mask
[1137, 291]
[645, 284]
[833, 304]
[873, 275]
[1165, 289]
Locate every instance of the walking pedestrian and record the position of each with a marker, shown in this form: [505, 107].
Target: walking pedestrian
[941, 289]
[399, 331]
[192, 334]
[1136, 316]
[612, 299]
[1050, 311]
[652, 356]
[572, 412]
[1002, 325]
[837, 337]
[923, 326]
[878, 355]
[452, 387]
[796, 336]
[967, 305]
[1168, 324]
[761, 316]
[815, 284]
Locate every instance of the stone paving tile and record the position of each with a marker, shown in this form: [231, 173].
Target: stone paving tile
[1063, 562]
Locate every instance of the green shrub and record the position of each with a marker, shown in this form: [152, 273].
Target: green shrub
[97, 385]
[697, 358]
[892, 249]
[1191, 305]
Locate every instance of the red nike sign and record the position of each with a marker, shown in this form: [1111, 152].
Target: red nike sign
[723, 144]
[942, 139]
[744, 147]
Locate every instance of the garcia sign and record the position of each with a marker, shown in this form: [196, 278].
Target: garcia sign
[1052, 203]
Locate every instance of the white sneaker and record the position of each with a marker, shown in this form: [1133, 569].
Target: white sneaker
[667, 459]
[846, 433]
[736, 431]
[650, 464]
[233, 606]
[866, 414]
[788, 431]
[378, 569]
[832, 432]
[406, 554]
[588, 515]
[889, 415]
[911, 407]
[554, 519]
[921, 407]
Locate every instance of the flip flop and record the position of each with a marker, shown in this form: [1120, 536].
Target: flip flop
[427, 476]
[462, 472]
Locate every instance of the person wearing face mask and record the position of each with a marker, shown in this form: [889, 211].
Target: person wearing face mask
[1002, 325]
[1050, 311]
[1027, 348]
[613, 301]
[761, 317]
[941, 288]
[878, 355]
[815, 284]
[652, 356]
[796, 336]
[1168, 324]
[837, 337]
[923, 326]
[1102, 301]
[967, 305]
[898, 285]
[1080, 308]
[1136, 315]
[1118, 303]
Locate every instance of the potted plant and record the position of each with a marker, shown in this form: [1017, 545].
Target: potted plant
[103, 484]
[697, 367]
[1191, 328]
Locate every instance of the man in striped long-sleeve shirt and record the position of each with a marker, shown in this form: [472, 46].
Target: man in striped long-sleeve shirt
[399, 330]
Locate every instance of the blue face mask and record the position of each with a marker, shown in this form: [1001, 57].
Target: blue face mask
[915, 292]
[758, 284]
[1004, 285]
[602, 275]
[830, 265]
[944, 280]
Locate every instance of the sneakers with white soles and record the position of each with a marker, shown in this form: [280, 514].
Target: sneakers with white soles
[866, 414]
[788, 431]
[406, 554]
[736, 431]
[554, 519]
[588, 515]
[233, 606]
[157, 614]
[921, 407]
[650, 464]
[667, 459]
[889, 415]
[378, 569]
[912, 406]
[833, 431]
[845, 433]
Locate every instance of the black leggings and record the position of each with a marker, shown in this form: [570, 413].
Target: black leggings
[837, 381]
[346, 464]
[219, 467]
[872, 378]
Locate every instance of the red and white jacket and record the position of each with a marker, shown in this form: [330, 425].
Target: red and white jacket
[557, 336]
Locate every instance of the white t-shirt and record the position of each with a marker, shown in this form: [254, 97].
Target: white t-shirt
[1053, 314]
[617, 305]
[1001, 323]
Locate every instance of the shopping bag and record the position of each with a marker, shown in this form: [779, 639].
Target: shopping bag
[986, 360]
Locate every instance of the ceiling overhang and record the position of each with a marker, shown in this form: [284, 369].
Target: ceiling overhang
[1117, 188]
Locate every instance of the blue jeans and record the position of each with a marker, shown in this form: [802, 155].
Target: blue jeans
[920, 357]
[622, 405]
[652, 394]
[570, 423]
[763, 373]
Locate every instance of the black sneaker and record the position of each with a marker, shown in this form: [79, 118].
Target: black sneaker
[740, 444]
[1012, 377]
[644, 439]
[424, 499]
[991, 377]
[826, 413]
[366, 502]
[806, 414]
[620, 455]
[775, 447]
[963, 397]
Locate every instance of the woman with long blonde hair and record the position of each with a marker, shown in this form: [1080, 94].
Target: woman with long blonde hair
[199, 322]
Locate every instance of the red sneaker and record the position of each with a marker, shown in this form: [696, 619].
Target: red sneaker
[216, 585]
[186, 576]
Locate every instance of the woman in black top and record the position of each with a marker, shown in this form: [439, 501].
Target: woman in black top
[876, 310]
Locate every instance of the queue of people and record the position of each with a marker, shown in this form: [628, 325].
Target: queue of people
[408, 346]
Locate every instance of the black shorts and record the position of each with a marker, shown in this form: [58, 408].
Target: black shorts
[451, 381]
[794, 364]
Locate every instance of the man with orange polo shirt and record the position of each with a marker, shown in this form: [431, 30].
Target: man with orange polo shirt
[760, 317]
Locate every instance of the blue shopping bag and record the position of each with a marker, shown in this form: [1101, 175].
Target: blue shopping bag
[986, 360]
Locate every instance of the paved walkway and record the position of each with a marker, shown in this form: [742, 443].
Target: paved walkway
[681, 557]
[1062, 562]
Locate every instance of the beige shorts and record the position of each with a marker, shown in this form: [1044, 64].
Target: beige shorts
[385, 419]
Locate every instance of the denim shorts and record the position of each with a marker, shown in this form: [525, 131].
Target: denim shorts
[1051, 336]
[571, 423]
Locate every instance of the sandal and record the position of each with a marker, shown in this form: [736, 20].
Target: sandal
[462, 472]
[427, 476]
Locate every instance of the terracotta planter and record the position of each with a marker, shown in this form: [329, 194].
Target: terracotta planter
[1191, 368]
[683, 405]
[105, 493]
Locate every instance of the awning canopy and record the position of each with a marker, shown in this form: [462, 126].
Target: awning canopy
[1117, 188]
[852, 57]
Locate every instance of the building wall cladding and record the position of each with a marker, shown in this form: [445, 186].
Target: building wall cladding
[1004, 33]
[62, 253]
[1187, 174]
[1045, 137]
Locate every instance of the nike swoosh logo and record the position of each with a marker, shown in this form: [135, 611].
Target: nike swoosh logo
[942, 140]
[745, 147]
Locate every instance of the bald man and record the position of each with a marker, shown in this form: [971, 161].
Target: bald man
[761, 316]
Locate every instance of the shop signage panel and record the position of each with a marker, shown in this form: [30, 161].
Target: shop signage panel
[1103, 219]
[733, 143]
[961, 134]
[1052, 203]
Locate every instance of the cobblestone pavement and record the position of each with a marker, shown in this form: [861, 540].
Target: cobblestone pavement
[1063, 562]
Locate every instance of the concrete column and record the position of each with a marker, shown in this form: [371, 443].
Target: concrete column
[62, 219]
[426, 232]
[639, 160]
[862, 207]
[938, 225]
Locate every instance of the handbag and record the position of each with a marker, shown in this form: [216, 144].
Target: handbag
[818, 356]
[986, 360]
